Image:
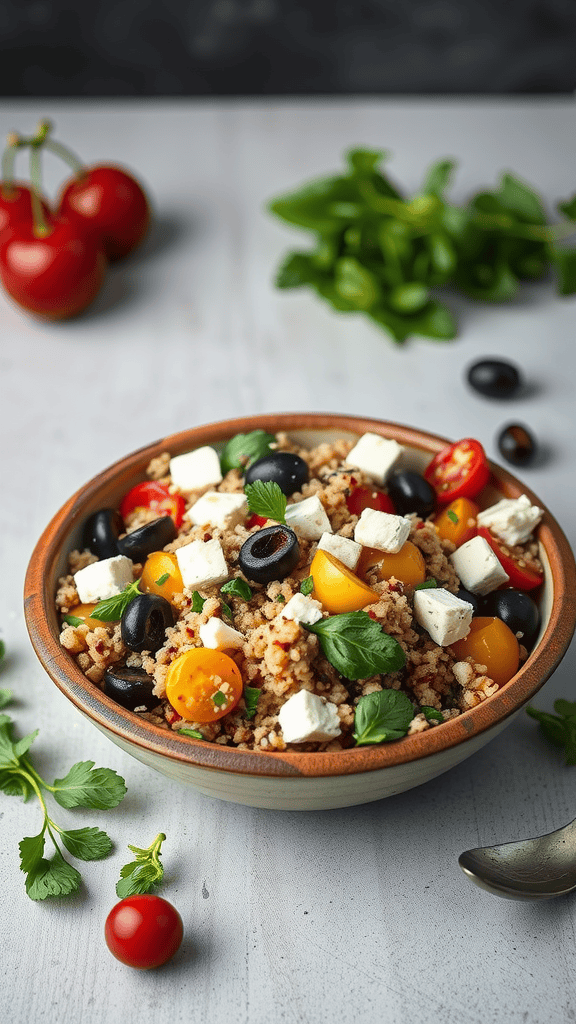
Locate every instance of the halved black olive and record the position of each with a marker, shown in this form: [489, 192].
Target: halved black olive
[146, 539]
[145, 621]
[410, 492]
[101, 532]
[289, 471]
[130, 687]
[269, 554]
[517, 609]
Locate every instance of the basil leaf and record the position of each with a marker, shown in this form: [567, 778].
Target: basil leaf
[431, 714]
[265, 498]
[72, 620]
[355, 283]
[568, 208]
[307, 586]
[237, 588]
[565, 266]
[438, 178]
[382, 716]
[198, 602]
[357, 646]
[244, 449]
[518, 198]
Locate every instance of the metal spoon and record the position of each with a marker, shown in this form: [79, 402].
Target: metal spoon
[532, 869]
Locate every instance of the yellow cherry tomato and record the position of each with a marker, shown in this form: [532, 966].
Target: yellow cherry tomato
[203, 685]
[407, 565]
[336, 587]
[492, 643]
[84, 612]
[161, 566]
[457, 522]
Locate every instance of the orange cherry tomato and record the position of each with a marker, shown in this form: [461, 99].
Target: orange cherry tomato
[84, 612]
[336, 587]
[454, 522]
[492, 643]
[156, 496]
[459, 471]
[363, 496]
[521, 575]
[407, 565]
[161, 575]
[203, 685]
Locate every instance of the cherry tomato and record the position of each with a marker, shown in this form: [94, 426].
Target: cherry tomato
[459, 471]
[16, 205]
[522, 575]
[143, 931]
[255, 520]
[110, 202]
[161, 566]
[363, 496]
[492, 643]
[203, 685]
[56, 275]
[155, 496]
[407, 565]
[336, 587]
[457, 522]
[84, 612]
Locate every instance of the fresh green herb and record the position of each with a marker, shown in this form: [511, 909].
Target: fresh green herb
[113, 608]
[357, 646]
[452, 516]
[142, 874]
[194, 733]
[431, 714]
[198, 602]
[383, 255]
[426, 585]
[226, 609]
[219, 698]
[237, 588]
[2, 650]
[83, 786]
[251, 695]
[244, 449]
[160, 582]
[6, 696]
[307, 586]
[382, 716]
[281, 598]
[559, 729]
[266, 499]
[72, 620]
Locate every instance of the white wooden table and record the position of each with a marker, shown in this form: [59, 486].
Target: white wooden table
[351, 914]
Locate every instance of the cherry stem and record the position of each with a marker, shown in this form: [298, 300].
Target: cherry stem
[40, 226]
[66, 155]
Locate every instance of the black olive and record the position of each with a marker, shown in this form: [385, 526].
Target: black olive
[472, 599]
[494, 378]
[145, 621]
[516, 444]
[130, 687]
[101, 532]
[289, 471]
[146, 539]
[269, 554]
[517, 609]
[410, 492]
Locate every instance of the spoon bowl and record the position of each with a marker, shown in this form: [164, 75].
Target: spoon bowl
[531, 869]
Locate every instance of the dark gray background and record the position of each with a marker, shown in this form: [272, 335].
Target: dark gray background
[263, 47]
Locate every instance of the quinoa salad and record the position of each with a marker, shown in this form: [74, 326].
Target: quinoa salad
[273, 597]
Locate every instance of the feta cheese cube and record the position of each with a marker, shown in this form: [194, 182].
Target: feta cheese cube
[301, 608]
[445, 617]
[196, 469]
[343, 548]
[103, 579]
[375, 456]
[382, 530]
[308, 518]
[218, 509]
[306, 716]
[511, 519]
[202, 563]
[219, 636]
[477, 566]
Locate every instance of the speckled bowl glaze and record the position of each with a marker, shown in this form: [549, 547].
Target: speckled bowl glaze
[292, 780]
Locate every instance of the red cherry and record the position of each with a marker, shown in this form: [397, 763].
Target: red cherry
[16, 204]
[109, 201]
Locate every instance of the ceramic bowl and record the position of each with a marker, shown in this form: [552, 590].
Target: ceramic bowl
[292, 780]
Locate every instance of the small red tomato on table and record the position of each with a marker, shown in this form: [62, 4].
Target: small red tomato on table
[143, 931]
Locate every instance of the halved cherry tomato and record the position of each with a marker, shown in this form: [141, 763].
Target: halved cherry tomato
[203, 685]
[521, 575]
[492, 643]
[158, 565]
[457, 522]
[363, 496]
[336, 587]
[156, 496]
[84, 612]
[459, 471]
[407, 565]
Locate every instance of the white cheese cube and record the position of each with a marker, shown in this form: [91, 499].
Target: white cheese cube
[445, 617]
[202, 563]
[511, 519]
[308, 518]
[375, 456]
[343, 548]
[104, 579]
[218, 635]
[196, 469]
[217, 509]
[477, 566]
[307, 717]
[382, 530]
[302, 609]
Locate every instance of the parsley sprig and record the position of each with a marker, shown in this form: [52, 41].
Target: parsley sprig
[265, 498]
[113, 608]
[382, 716]
[144, 872]
[559, 729]
[357, 646]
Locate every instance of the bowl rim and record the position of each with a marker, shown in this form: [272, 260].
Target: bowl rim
[129, 728]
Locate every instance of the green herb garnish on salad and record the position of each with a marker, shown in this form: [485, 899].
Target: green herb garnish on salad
[265, 498]
[244, 449]
[251, 697]
[113, 608]
[357, 646]
[382, 716]
[307, 586]
[237, 588]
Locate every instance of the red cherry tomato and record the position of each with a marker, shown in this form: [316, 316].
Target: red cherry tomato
[56, 275]
[143, 931]
[16, 205]
[523, 577]
[459, 471]
[363, 496]
[155, 496]
[255, 520]
[110, 202]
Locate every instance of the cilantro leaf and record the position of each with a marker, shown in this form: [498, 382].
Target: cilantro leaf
[559, 729]
[31, 851]
[13, 783]
[6, 696]
[265, 498]
[86, 786]
[143, 873]
[198, 602]
[113, 608]
[307, 586]
[251, 697]
[244, 449]
[86, 843]
[382, 716]
[357, 646]
[237, 588]
[54, 877]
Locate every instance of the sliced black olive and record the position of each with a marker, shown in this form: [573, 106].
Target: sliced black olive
[517, 609]
[472, 599]
[145, 621]
[269, 554]
[130, 687]
[146, 539]
[516, 444]
[494, 378]
[410, 492]
[101, 532]
[289, 471]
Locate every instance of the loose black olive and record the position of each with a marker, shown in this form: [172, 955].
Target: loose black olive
[146, 539]
[517, 609]
[130, 687]
[517, 445]
[269, 554]
[101, 532]
[494, 378]
[410, 492]
[472, 599]
[145, 621]
[289, 471]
